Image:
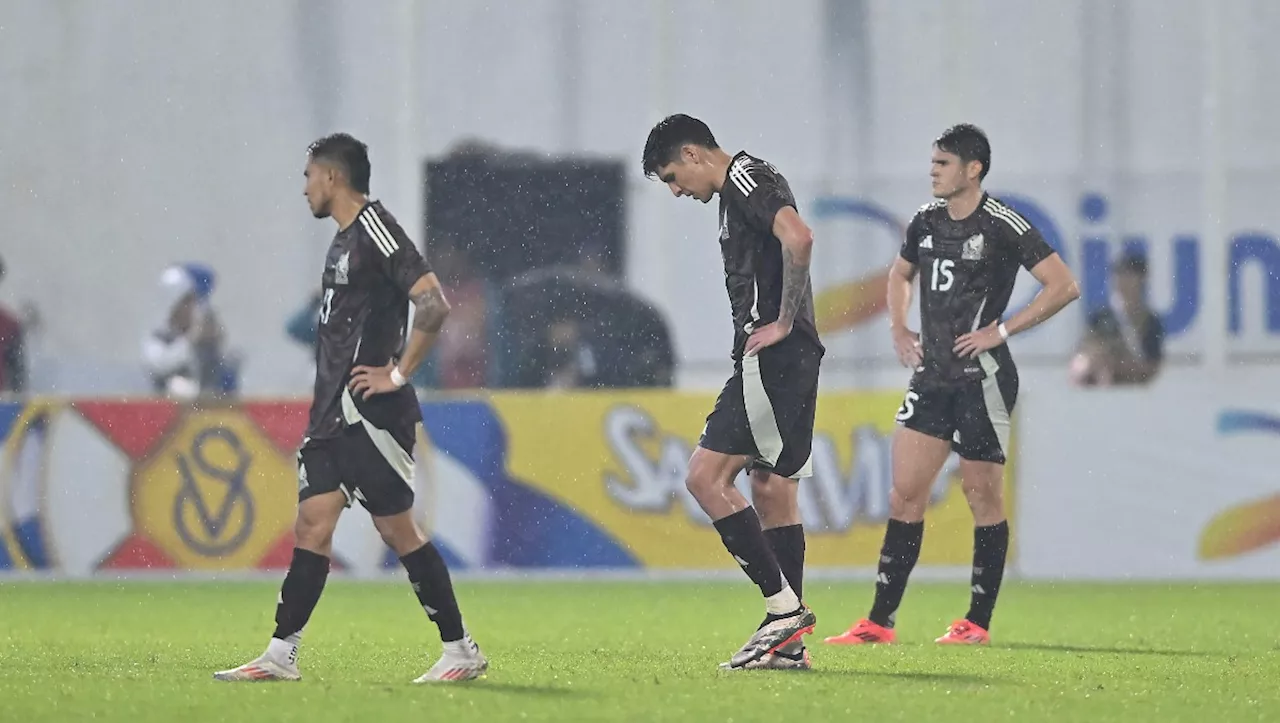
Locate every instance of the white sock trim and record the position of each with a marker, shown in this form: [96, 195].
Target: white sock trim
[782, 603]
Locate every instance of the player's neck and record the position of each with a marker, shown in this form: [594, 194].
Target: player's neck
[963, 204]
[346, 208]
[719, 168]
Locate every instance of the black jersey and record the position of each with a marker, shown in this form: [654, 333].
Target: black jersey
[370, 267]
[967, 269]
[752, 195]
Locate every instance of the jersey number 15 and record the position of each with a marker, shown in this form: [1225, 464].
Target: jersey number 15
[943, 277]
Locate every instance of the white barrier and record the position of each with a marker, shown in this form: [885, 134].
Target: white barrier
[1176, 481]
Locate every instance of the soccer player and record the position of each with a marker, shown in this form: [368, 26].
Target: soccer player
[968, 247]
[364, 416]
[763, 420]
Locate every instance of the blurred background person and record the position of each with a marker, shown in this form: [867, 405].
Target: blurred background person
[13, 362]
[185, 354]
[1123, 342]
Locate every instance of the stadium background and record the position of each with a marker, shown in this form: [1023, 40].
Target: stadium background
[139, 133]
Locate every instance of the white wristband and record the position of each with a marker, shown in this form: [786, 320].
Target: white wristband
[397, 378]
[1004, 331]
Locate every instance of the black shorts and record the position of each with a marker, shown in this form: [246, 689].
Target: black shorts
[767, 407]
[973, 415]
[368, 464]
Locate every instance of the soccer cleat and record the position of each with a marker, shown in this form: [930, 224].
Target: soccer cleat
[864, 632]
[963, 632]
[794, 656]
[265, 668]
[775, 633]
[462, 660]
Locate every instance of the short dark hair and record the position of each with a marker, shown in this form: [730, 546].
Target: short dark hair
[969, 142]
[669, 136]
[348, 154]
[1131, 262]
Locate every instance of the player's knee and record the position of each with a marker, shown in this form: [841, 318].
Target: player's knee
[314, 533]
[702, 479]
[400, 533]
[908, 503]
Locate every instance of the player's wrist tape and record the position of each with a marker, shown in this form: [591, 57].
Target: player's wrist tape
[1004, 331]
[397, 378]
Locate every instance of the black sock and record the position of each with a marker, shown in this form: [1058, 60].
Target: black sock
[990, 545]
[788, 548]
[431, 583]
[744, 539]
[300, 592]
[897, 558]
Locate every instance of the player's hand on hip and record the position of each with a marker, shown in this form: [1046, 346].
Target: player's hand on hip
[975, 342]
[907, 345]
[767, 335]
[368, 381]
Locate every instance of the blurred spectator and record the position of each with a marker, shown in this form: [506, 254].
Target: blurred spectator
[461, 356]
[13, 363]
[1124, 342]
[569, 327]
[184, 354]
[301, 327]
[570, 359]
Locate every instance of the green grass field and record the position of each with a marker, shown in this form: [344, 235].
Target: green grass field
[144, 651]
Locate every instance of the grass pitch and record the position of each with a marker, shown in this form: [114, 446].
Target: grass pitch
[144, 651]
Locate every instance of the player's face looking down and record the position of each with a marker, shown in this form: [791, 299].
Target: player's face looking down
[691, 174]
[952, 176]
[321, 184]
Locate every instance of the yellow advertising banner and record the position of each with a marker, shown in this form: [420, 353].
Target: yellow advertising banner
[619, 460]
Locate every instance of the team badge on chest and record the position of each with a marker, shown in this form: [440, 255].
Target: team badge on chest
[972, 250]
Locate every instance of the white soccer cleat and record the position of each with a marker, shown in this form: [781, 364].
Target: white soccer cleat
[280, 662]
[462, 660]
[265, 668]
[793, 656]
[774, 633]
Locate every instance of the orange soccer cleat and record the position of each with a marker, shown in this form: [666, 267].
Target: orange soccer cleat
[863, 632]
[963, 632]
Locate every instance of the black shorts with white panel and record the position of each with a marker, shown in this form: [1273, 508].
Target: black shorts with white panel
[973, 414]
[767, 408]
[365, 462]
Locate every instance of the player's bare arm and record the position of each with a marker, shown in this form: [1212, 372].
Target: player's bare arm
[797, 247]
[430, 309]
[1058, 288]
[906, 343]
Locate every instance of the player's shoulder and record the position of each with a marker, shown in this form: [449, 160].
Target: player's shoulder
[1002, 216]
[748, 172]
[927, 213]
[379, 227]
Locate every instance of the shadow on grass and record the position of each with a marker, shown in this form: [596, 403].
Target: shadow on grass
[493, 686]
[1103, 649]
[922, 676]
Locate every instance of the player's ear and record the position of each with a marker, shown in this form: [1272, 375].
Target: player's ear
[690, 153]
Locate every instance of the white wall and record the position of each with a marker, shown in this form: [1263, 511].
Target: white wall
[142, 131]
